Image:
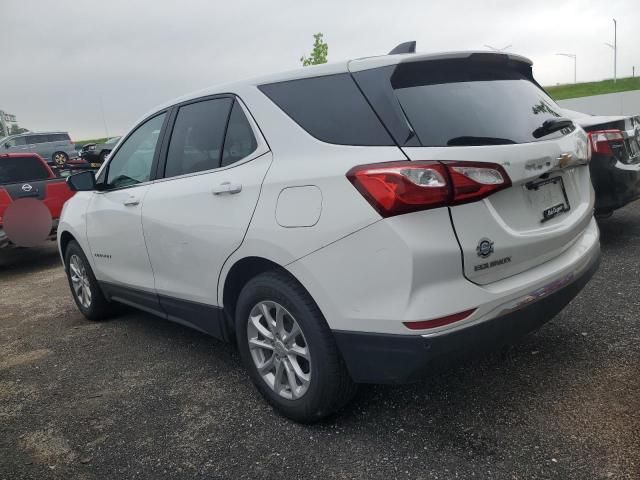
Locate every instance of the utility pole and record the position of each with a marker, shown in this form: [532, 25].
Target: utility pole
[498, 49]
[104, 120]
[615, 50]
[575, 63]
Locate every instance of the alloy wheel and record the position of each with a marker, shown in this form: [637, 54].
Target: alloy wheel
[59, 159]
[80, 281]
[279, 349]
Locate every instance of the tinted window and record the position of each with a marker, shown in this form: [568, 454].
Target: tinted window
[21, 169]
[331, 108]
[58, 137]
[16, 142]
[462, 102]
[34, 139]
[196, 140]
[239, 141]
[132, 163]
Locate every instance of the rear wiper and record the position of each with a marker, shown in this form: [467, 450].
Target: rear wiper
[552, 125]
[469, 141]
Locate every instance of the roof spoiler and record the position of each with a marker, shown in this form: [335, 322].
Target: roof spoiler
[406, 47]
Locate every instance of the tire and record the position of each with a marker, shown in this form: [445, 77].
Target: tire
[60, 159]
[98, 307]
[103, 155]
[329, 385]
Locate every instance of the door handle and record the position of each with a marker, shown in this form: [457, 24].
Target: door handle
[131, 201]
[227, 187]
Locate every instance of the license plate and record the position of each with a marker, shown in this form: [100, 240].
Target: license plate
[549, 197]
[95, 165]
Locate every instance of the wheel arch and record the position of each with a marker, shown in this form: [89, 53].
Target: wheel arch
[239, 274]
[65, 238]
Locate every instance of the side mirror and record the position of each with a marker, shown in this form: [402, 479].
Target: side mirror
[6, 145]
[82, 182]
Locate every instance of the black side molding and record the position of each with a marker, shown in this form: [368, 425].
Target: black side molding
[207, 319]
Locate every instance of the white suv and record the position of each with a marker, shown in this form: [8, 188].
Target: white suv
[344, 223]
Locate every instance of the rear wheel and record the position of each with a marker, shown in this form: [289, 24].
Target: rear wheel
[289, 350]
[60, 159]
[84, 287]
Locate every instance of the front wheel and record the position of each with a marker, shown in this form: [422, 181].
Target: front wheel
[288, 349]
[84, 286]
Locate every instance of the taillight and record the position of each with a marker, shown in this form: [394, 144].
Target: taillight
[474, 181]
[601, 141]
[395, 188]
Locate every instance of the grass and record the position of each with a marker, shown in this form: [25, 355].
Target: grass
[81, 143]
[562, 92]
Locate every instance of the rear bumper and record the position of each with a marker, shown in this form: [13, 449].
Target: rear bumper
[615, 184]
[383, 358]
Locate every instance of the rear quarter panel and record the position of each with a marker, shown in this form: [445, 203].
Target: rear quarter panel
[301, 160]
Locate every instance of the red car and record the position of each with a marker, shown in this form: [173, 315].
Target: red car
[31, 200]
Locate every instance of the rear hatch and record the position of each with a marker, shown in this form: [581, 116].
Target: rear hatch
[487, 108]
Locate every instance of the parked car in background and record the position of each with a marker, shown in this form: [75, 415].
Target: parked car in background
[55, 147]
[31, 200]
[343, 223]
[95, 153]
[615, 161]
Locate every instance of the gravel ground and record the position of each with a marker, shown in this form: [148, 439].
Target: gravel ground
[138, 397]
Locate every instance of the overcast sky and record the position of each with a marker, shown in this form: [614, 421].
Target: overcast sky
[59, 60]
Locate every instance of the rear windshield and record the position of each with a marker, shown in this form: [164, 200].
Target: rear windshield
[21, 169]
[461, 102]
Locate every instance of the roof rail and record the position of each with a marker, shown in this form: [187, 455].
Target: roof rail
[406, 47]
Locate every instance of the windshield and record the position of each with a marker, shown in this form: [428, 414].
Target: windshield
[454, 103]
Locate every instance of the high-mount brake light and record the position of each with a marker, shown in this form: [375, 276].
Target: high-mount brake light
[395, 188]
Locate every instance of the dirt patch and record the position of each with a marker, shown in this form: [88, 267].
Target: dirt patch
[24, 358]
[47, 447]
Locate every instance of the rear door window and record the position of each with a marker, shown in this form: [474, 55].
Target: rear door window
[58, 137]
[239, 142]
[197, 139]
[330, 108]
[21, 169]
[462, 102]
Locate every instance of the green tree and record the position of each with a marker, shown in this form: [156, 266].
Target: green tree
[15, 129]
[318, 54]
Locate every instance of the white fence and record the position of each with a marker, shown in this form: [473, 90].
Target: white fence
[623, 103]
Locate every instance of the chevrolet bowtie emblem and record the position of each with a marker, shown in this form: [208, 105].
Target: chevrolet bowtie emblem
[565, 160]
